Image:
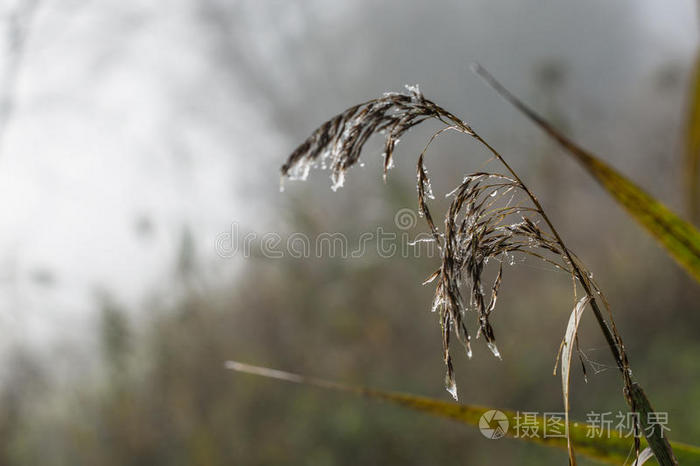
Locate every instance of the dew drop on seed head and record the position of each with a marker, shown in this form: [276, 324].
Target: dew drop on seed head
[414, 90]
[428, 188]
[451, 388]
[338, 180]
[436, 303]
[494, 349]
[300, 171]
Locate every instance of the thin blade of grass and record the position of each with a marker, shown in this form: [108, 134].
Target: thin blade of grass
[680, 238]
[567, 351]
[691, 163]
[644, 456]
[613, 448]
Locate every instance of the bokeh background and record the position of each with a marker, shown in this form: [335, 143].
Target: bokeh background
[133, 134]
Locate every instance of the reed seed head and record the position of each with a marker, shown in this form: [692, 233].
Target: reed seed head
[489, 217]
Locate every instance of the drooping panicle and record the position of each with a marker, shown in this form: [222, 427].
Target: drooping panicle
[338, 142]
[481, 223]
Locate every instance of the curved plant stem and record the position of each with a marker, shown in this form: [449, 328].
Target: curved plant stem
[634, 394]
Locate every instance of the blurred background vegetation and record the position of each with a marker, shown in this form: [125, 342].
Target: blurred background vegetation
[133, 133]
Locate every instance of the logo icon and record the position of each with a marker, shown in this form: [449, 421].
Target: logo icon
[493, 424]
[405, 219]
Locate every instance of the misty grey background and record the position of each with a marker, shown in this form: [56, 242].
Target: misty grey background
[132, 131]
